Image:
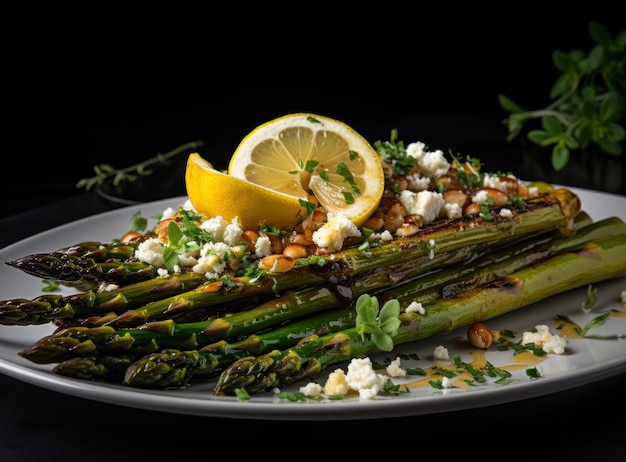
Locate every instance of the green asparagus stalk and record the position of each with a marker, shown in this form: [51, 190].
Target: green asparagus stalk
[100, 251]
[426, 289]
[83, 271]
[110, 368]
[163, 369]
[399, 258]
[451, 281]
[79, 265]
[53, 307]
[66, 343]
[597, 261]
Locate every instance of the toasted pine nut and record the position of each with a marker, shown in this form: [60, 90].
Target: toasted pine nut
[277, 263]
[479, 335]
[472, 208]
[250, 237]
[375, 223]
[304, 239]
[130, 236]
[395, 217]
[498, 197]
[161, 229]
[295, 251]
[276, 243]
[407, 229]
[455, 196]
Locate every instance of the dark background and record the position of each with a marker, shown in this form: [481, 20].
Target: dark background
[434, 78]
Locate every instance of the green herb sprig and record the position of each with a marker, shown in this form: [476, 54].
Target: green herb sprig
[105, 172]
[380, 325]
[587, 101]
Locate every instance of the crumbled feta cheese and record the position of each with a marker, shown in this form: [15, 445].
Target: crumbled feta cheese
[332, 233]
[223, 231]
[542, 338]
[506, 213]
[446, 382]
[418, 182]
[110, 287]
[311, 389]
[416, 149]
[188, 206]
[263, 246]
[336, 384]
[162, 271]
[187, 259]
[395, 369]
[415, 307]
[363, 378]
[498, 182]
[427, 204]
[453, 210]
[481, 196]
[168, 213]
[441, 353]
[151, 251]
[432, 164]
[385, 236]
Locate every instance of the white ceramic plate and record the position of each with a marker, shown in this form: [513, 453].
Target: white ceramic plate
[585, 360]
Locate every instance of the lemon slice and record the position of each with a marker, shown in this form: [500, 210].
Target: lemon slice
[303, 154]
[215, 193]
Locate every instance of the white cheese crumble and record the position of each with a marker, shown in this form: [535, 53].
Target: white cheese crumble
[415, 307]
[151, 251]
[223, 231]
[427, 204]
[169, 212]
[506, 213]
[263, 246]
[110, 287]
[432, 164]
[363, 378]
[418, 182]
[491, 180]
[385, 236]
[480, 196]
[311, 389]
[332, 233]
[441, 353]
[542, 338]
[336, 384]
[395, 369]
[453, 210]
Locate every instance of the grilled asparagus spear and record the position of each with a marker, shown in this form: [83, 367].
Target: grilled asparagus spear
[77, 341]
[599, 260]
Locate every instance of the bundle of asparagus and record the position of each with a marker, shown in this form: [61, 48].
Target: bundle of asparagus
[269, 321]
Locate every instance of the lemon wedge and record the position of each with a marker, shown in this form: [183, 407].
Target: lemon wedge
[215, 193]
[299, 155]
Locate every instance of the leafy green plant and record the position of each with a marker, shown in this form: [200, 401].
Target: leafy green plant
[380, 325]
[106, 172]
[587, 101]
